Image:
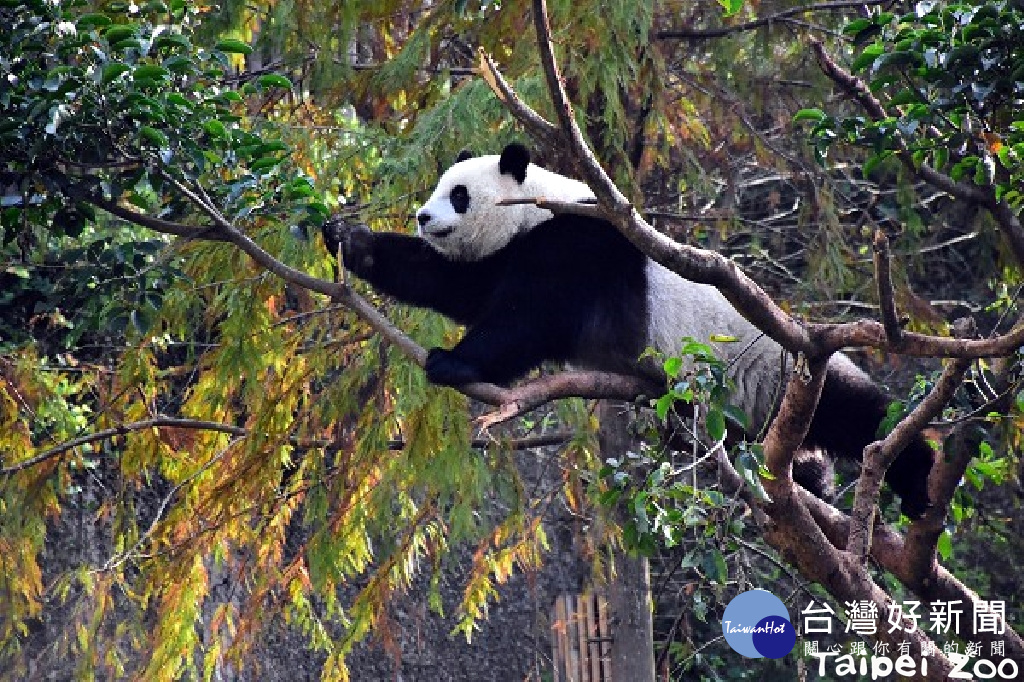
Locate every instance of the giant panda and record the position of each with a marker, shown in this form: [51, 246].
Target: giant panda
[532, 287]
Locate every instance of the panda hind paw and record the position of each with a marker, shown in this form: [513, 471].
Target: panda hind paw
[914, 502]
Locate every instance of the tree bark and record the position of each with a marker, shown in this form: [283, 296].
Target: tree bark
[629, 587]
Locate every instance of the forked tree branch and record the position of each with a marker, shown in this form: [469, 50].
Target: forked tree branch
[880, 455]
[708, 267]
[890, 550]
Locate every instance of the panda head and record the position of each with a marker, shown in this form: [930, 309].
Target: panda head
[462, 218]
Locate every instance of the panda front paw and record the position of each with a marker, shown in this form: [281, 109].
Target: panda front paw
[354, 241]
[444, 368]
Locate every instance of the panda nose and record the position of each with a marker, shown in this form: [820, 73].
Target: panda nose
[422, 218]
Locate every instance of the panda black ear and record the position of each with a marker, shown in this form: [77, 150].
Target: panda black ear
[514, 160]
[464, 154]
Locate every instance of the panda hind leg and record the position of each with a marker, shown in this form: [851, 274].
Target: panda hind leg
[498, 349]
[908, 476]
[849, 412]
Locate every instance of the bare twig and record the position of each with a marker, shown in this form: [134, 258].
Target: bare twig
[122, 430]
[718, 32]
[886, 298]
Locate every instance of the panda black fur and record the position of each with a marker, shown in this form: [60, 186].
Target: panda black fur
[532, 287]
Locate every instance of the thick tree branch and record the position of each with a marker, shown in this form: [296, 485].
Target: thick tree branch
[520, 399]
[697, 265]
[890, 551]
[871, 334]
[544, 131]
[789, 428]
[957, 452]
[210, 233]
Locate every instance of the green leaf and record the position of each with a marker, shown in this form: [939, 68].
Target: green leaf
[945, 545]
[120, 32]
[663, 405]
[153, 136]
[167, 40]
[92, 20]
[731, 6]
[123, 45]
[867, 57]
[856, 26]
[816, 115]
[179, 100]
[215, 128]
[873, 162]
[715, 423]
[112, 70]
[905, 96]
[273, 80]
[233, 46]
[737, 416]
[150, 72]
[672, 367]
[715, 567]
[265, 163]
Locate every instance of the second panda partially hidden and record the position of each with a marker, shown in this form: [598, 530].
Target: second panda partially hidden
[531, 287]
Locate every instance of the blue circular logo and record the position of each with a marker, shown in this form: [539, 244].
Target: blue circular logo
[756, 624]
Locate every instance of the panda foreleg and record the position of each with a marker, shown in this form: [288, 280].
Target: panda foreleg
[412, 271]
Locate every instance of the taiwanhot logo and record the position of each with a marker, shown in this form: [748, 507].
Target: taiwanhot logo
[756, 625]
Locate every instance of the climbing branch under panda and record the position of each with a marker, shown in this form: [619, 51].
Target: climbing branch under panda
[511, 402]
[789, 428]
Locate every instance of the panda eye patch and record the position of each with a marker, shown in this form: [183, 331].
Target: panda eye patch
[459, 197]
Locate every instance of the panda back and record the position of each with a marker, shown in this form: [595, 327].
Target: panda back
[680, 308]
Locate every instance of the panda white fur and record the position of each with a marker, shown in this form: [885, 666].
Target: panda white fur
[532, 287]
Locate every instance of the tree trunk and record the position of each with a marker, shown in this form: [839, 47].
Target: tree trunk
[629, 588]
